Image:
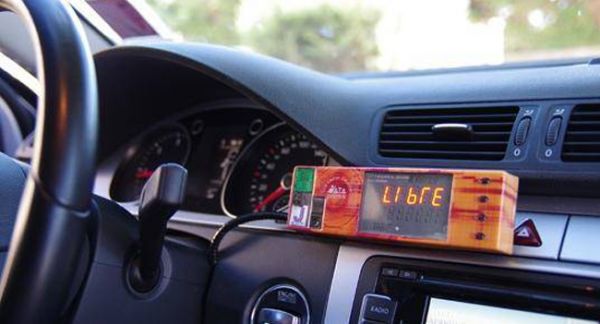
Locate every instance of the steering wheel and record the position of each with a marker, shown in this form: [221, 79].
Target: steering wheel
[53, 220]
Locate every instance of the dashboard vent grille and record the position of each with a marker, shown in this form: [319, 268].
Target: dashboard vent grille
[582, 140]
[409, 133]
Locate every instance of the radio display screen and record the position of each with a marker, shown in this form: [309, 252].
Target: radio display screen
[443, 311]
[414, 205]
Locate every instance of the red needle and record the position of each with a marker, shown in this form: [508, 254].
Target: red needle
[143, 174]
[270, 198]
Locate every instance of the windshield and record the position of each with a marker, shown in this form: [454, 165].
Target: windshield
[390, 35]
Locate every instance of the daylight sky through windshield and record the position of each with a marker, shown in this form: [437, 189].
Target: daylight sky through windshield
[383, 35]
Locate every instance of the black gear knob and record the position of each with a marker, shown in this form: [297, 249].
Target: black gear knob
[161, 197]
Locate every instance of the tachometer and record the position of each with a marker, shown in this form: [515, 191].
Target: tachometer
[262, 176]
[167, 144]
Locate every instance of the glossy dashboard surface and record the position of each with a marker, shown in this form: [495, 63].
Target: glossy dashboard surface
[343, 116]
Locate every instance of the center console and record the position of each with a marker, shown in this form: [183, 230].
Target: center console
[402, 290]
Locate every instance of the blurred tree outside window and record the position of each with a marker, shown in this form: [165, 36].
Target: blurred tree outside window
[358, 35]
[543, 24]
[323, 38]
[210, 21]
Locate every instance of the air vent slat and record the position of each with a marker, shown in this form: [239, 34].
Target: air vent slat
[581, 157]
[407, 133]
[450, 118]
[444, 146]
[584, 123]
[450, 111]
[588, 117]
[590, 109]
[579, 143]
[478, 127]
[582, 138]
[428, 136]
[451, 155]
[581, 146]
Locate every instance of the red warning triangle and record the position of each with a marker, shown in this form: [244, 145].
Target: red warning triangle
[527, 235]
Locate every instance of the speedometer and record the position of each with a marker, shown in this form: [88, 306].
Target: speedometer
[262, 176]
[167, 144]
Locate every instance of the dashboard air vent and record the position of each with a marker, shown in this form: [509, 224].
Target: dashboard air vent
[582, 140]
[478, 133]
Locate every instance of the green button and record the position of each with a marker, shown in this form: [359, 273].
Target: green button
[304, 180]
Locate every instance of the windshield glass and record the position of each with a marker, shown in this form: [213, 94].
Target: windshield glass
[390, 35]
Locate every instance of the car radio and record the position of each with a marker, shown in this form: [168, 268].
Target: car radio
[467, 209]
[406, 291]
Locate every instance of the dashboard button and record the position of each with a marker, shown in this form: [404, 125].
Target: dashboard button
[364, 321]
[553, 131]
[282, 303]
[276, 316]
[389, 272]
[526, 234]
[522, 131]
[378, 308]
[406, 274]
[582, 240]
[551, 229]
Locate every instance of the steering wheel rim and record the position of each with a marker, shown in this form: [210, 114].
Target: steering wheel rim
[52, 223]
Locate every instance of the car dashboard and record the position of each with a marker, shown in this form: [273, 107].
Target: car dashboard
[240, 122]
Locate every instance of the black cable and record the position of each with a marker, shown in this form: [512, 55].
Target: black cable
[213, 250]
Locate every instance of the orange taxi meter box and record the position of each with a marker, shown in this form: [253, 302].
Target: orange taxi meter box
[465, 209]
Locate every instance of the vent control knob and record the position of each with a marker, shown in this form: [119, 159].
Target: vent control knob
[553, 131]
[522, 131]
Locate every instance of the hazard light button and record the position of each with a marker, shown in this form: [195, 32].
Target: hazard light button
[527, 235]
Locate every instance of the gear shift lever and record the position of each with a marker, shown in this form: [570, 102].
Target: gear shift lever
[161, 197]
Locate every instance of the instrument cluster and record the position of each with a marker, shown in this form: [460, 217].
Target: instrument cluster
[239, 159]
